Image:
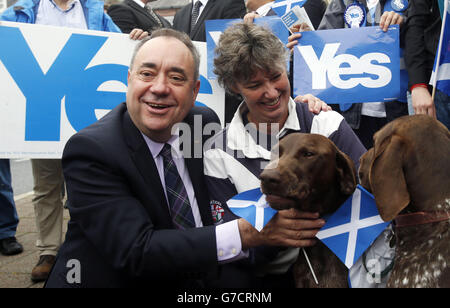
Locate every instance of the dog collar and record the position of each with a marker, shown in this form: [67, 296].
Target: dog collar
[420, 218]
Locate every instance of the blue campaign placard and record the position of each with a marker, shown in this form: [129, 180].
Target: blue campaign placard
[348, 65]
[214, 28]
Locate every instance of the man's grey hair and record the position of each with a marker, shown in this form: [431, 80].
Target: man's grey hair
[243, 51]
[182, 37]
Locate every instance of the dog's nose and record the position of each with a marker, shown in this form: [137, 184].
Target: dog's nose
[271, 176]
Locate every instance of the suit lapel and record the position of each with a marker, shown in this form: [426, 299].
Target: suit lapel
[145, 163]
[198, 26]
[185, 19]
[142, 10]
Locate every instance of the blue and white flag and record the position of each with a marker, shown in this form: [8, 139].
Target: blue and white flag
[253, 207]
[353, 227]
[348, 65]
[440, 78]
[215, 28]
[282, 7]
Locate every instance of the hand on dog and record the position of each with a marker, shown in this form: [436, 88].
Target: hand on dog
[292, 228]
[289, 228]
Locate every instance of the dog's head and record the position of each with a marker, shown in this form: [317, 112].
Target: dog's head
[408, 165]
[310, 170]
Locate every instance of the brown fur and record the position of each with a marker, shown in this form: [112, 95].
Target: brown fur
[408, 170]
[314, 172]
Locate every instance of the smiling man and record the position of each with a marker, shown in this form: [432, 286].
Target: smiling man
[140, 213]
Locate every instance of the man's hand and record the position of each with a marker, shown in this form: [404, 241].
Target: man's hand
[292, 228]
[315, 104]
[289, 228]
[423, 102]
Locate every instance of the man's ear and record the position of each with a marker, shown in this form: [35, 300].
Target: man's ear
[195, 91]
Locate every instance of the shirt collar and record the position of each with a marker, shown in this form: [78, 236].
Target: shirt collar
[238, 138]
[70, 6]
[140, 3]
[156, 147]
[204, 2]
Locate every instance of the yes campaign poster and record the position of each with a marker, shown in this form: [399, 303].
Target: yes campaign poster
[348, 65]
[55, 81]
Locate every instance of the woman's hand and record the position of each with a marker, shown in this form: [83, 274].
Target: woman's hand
[315, 104]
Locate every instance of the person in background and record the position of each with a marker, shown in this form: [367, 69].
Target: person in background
[8, 215]
[136, 14]
[421, 41]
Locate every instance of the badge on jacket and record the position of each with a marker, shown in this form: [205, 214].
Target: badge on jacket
[355, 15]
[217, 211]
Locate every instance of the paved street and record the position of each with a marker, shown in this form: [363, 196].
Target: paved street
[15, 271]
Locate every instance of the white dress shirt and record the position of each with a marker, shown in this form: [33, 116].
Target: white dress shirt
[49, 13]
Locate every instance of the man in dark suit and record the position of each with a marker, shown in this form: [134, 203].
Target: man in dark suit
[209, 9]
[140, 215]
[136, 14]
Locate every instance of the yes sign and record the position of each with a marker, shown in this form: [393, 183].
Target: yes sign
[55, 81]
[348, 65]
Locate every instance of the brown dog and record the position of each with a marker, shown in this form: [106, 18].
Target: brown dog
[314, 172]
[408, 172]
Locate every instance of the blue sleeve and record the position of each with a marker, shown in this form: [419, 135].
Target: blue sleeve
[109, 25]
[347, 141]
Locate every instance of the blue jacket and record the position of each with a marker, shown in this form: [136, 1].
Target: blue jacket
[96, 19]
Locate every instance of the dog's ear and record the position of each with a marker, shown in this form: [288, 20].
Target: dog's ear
[387, 179]
[346, 172]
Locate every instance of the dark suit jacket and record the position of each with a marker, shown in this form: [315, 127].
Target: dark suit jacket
[129, 15]
[120, 229]
[215, 9]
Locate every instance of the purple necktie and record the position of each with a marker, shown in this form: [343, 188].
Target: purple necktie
[180, 208]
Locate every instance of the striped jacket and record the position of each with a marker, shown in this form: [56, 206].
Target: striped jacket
[233, 160]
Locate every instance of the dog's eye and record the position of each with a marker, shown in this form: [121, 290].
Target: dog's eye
[308, 154]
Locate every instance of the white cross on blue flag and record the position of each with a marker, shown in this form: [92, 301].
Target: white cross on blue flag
[353, 227]
[253, 207]
[282, 7]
